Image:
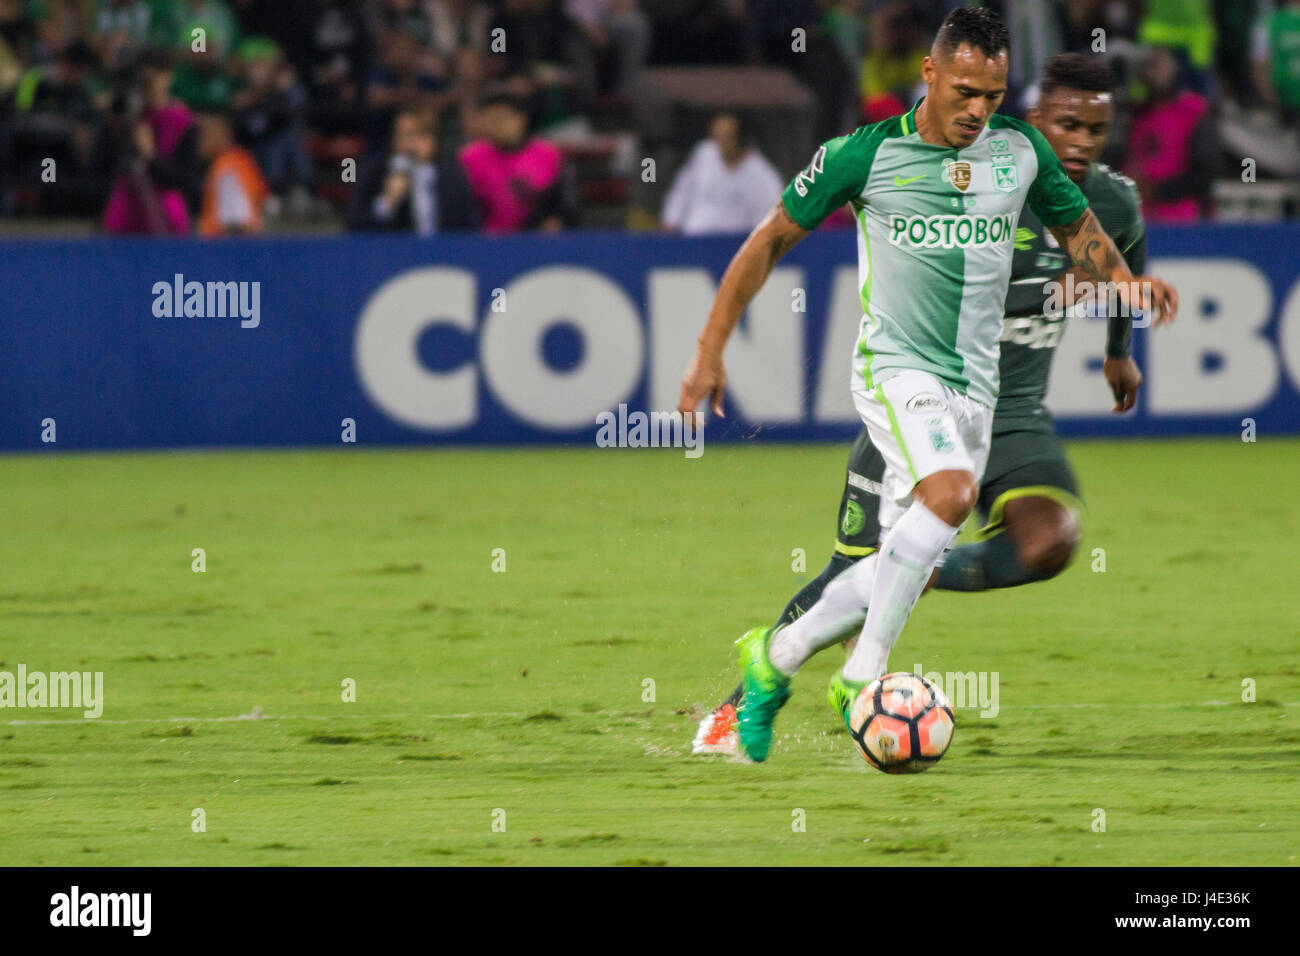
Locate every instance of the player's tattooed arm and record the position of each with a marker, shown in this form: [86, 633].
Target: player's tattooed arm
[1092, 250]
[1096, 255]
[772, 238]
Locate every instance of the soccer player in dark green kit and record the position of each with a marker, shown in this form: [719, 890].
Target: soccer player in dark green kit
[1029, 495]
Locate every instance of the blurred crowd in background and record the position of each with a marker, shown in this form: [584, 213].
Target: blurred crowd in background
[223, 117]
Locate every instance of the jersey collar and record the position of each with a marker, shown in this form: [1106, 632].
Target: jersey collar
[908, 119]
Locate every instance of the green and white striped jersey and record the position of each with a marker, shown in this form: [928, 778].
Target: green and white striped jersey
[936, 234]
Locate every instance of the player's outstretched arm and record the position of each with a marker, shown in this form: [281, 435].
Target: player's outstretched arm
[771, 239]
[1120, 371]
[1096, 254]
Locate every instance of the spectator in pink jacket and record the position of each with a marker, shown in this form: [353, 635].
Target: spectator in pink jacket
[519, 181]
[1173, 146]
[160, 168]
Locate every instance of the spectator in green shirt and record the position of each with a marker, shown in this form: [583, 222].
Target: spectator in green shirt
[206, 39]
[1275, 49]
[214, 17]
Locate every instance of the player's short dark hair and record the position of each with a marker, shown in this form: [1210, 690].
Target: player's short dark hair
[977, 27]
[1077, 71]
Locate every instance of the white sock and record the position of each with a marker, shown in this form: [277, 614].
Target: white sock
[838, 614]
[907, 556]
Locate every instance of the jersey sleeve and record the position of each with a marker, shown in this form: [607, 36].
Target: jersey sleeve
[1132, 243]
[1053, 196]
[838, 172]
[1135, 254]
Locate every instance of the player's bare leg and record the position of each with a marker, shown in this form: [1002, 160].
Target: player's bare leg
[1034, 539]
[1044, 532]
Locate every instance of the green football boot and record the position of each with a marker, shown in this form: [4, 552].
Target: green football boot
[766, 691]
[842, 693]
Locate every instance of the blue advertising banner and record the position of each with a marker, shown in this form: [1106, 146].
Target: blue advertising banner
[178, 343]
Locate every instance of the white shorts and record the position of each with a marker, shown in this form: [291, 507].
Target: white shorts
[922, 426]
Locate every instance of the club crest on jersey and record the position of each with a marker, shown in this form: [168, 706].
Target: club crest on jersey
[958, 173]
[1005, 178]
[855, 519]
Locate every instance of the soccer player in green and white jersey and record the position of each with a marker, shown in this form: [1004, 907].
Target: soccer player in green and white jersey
[1029, 494]
[937, 194]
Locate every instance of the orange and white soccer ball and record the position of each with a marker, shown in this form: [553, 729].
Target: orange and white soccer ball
[901, 723]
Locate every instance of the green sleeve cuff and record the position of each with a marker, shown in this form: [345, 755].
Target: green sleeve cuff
[1119, 336]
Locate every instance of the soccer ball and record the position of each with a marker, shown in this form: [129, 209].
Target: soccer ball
[901, 723]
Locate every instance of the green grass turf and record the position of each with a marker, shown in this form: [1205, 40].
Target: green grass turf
[524, 690]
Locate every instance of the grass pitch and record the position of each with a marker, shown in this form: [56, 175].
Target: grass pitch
[520, 697]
